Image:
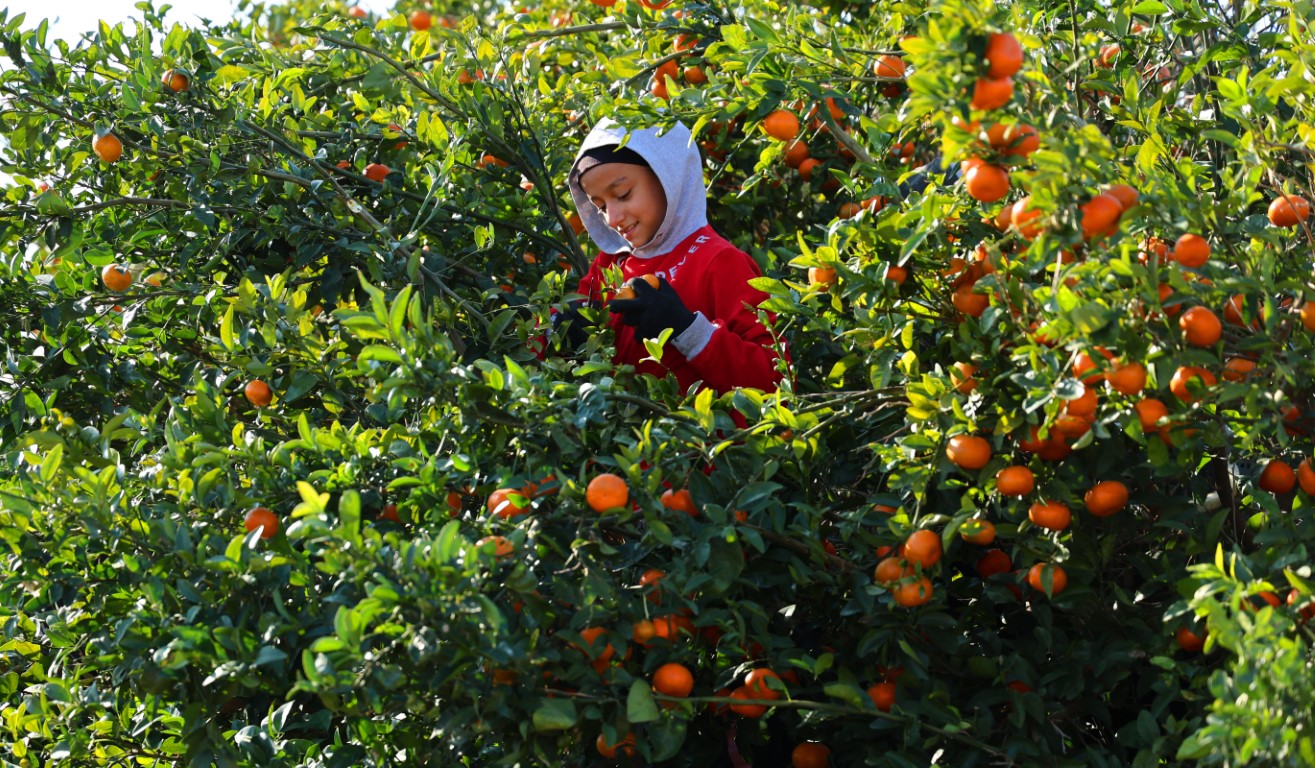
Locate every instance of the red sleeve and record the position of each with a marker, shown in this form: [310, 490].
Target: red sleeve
[741, 351]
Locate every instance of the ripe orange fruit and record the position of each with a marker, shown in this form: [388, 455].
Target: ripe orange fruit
[643, 631]
[883, 695]
[1015, 481]
[1100, 215]
[991, 93]
[502, 546]
[1288, 210]
[356, 12]
[1020, 140]
[628, 292]
[1083, 405]
[115, 277]
[760, 682]
[1004, 54]
[377, 171]
[810, 754]
[795, 153]
[969, 303]
[649, 581]
[889, 65]
[976, 531]
[670, 627]
[891, 570]
[596, 645]
[1190, 641]
[1191, 251]
[1106, 497]
[1052, 515]
[259, 393]
[782, 125]
[673, 680]
[260, 517]
[1277, 477]
[1058, 578]
[1126, 195]
[681, 501]
[1108, 53]
[108, 147]
[923, 548]
[1024, 218]
[993, 562]
[1306, 477]
[1149, 412]
[501, 504]
[913, 593]
[806, 168]
[746, 710]
[968, 451]
[1233, 309]
[823, 277]
[390, 513]
[897, 275]
[175, 81]
[1073, 427]
[1238, 368]
[961, 376]
[607, 491]
[1185, 374]
[626, 746]
[987, 183]
[1127, 378]
[421, 20]
[1201, 327]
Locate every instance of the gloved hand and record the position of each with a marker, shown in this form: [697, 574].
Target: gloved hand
[653, 310]
[575, 324]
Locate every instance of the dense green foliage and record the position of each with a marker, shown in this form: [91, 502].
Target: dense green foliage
[397, 322]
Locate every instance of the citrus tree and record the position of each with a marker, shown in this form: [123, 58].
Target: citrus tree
[298, 473]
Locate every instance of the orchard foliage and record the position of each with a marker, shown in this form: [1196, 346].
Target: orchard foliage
[1037, 491]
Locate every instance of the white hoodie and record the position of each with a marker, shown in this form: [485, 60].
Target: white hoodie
[675, 159]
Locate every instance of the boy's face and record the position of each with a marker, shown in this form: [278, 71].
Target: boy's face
[630, 196]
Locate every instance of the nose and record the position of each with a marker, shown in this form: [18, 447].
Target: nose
[614, 216]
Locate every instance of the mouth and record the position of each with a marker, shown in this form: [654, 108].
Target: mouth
[625, 232]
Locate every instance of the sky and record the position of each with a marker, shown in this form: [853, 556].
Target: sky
[70, 18]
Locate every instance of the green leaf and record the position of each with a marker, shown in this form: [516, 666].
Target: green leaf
[349, 515]
[51, 204]
[231, 73]
[850, 694]
[1149, 8]
[640, 707]
[554, 715]
[761, 30]
[226, 330]
[381, 353]
[51, 463]
[1195, 746]
[302, 382]
[667, 738]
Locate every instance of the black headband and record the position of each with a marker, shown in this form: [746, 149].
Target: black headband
[604, 155]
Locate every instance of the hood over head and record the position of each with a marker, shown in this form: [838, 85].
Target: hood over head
[675, 159]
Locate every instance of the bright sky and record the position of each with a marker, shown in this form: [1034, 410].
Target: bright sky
[70, 18]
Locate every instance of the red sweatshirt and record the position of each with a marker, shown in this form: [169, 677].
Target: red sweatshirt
[712, 278]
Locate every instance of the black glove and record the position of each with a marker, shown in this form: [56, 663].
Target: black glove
[573, 323]
[653, 310]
